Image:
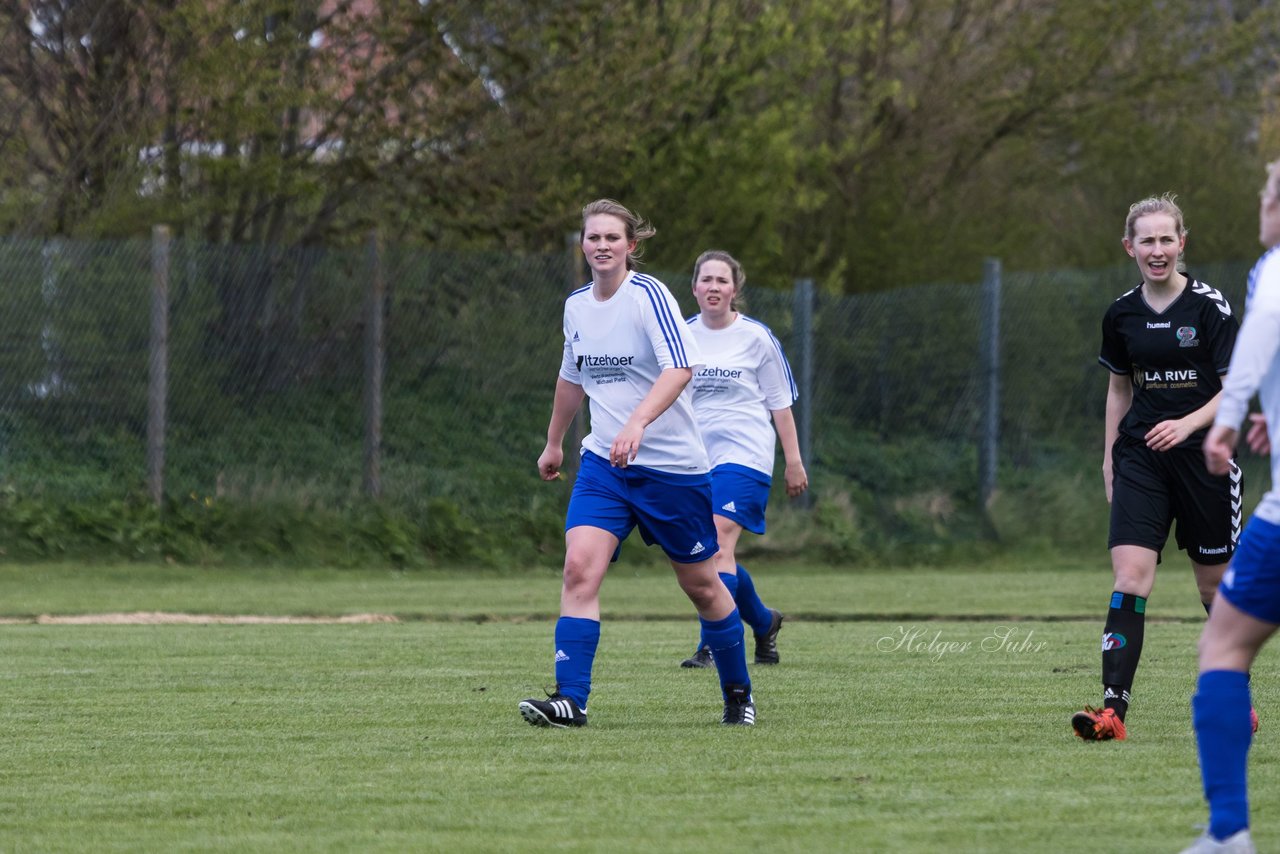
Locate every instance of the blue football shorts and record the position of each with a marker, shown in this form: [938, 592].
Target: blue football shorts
[741, 494]
[1252, 580]
[672, 511]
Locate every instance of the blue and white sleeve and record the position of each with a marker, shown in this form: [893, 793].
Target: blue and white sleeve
[672, 340]
[1256, 344]
[568, 362]
[776, 380]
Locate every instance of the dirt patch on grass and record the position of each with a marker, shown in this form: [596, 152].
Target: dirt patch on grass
[157, 618]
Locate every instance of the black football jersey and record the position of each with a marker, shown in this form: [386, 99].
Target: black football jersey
[1174, 358]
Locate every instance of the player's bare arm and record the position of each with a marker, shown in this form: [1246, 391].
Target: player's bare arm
[797, 478]
[664, 393]
[564, 406]
[1175, 431]
[1257, 438]
[1219, 447]
[1119, 399]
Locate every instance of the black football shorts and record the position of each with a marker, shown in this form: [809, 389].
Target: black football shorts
[1150, 490]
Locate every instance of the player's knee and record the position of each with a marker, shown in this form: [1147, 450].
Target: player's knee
[701, 590]
[1208, 577]
[581, 573]
[1213, 650]
[703, 599]
[1224, 645]
[1134, 583]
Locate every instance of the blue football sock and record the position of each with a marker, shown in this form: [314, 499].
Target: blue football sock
[725, 639]
[1220, 712]
[754, 613]
[730, 582]
[576, 642]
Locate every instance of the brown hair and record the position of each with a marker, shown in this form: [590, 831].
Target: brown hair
[637, 229]
[735, 270]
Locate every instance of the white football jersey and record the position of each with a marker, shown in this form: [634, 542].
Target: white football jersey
[1255, 367]
[745, 377]
[615, 350]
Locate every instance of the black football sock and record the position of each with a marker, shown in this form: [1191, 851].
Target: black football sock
[1121, 649]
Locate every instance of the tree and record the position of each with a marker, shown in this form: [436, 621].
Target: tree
[867, 143]
[963, 128]
[75, 91]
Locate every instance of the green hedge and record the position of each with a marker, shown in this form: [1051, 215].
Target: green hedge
[912, 500]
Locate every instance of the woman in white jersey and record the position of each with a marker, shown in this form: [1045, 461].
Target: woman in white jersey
[1246, 611]
[746, 379]
[643, 464]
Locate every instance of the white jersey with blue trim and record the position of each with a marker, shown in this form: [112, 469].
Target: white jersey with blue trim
[745, 378]
[1255, 367]
[615, 349]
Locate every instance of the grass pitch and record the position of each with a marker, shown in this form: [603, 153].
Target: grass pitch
[914, 710]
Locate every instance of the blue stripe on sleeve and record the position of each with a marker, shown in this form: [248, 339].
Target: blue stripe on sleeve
[670, 332]
[786, 366]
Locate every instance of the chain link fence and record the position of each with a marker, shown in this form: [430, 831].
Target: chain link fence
[273, 358]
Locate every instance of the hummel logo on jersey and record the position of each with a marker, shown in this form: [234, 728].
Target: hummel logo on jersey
[730, 507]
[698, 548]
[560, 655]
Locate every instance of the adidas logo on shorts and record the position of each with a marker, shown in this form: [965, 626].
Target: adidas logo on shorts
[698, 548]
[730, 507]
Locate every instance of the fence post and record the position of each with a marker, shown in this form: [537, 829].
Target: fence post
[990, 346]
[374, 359]
[577, 277]
[51, 270]
[803, 320]
[158, 362]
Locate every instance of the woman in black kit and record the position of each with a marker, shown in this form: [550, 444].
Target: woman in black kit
[1167, 344]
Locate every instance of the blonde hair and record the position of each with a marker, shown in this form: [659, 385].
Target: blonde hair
[1273, 178]
[1165, 204]
[636, 228]
[735, 270]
